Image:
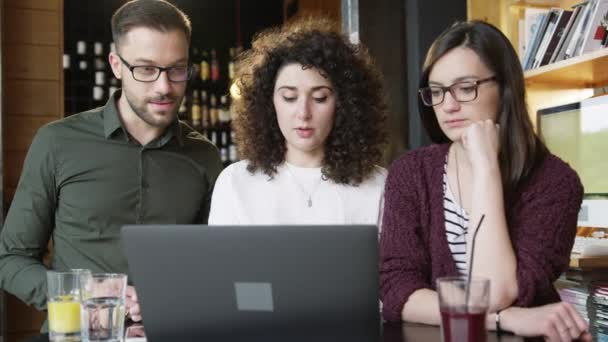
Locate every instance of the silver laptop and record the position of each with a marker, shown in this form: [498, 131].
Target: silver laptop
[255, 283]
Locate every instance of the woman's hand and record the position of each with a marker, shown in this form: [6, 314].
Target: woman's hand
[480, 140]
[558, 322]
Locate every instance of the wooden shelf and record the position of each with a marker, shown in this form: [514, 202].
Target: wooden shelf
[587, 71]
[543, 3]
[588, 262]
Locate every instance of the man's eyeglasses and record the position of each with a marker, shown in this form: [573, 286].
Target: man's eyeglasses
[465, 91]
[150, 73]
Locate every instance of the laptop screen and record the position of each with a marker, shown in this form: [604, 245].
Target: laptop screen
[243, 281]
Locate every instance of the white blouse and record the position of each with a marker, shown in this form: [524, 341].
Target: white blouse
[240, 197]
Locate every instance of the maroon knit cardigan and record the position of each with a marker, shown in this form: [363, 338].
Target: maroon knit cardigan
[413, 247]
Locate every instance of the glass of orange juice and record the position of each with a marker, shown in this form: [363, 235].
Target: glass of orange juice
[63, 303]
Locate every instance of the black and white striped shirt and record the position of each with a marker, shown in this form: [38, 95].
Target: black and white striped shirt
[456, 225]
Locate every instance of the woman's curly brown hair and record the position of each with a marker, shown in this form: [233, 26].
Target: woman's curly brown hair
[357, 140]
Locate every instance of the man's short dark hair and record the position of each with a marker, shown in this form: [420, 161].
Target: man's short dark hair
[153, 14]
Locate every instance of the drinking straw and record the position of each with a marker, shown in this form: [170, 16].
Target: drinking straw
[468, 284]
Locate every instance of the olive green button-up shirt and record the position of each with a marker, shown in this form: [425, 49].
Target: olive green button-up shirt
[84, 178]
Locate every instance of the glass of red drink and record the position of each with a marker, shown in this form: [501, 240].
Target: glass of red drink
[463, 306]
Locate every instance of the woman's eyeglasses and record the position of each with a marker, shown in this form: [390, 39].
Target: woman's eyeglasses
[465, 91]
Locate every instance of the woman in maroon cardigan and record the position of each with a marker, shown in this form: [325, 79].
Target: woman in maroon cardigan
[486, 160]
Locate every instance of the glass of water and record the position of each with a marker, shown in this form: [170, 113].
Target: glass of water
[103, 307]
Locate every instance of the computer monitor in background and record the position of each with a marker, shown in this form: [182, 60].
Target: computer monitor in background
[578, 134]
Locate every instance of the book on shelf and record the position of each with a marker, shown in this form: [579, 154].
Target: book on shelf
[589, 297]
[576, 31]
[575, 18]
[535, 41]
[577, 41]
[557, 34]
[529, 25]
[554, 15]
[596, 32]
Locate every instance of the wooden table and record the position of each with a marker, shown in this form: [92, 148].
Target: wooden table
[406, 332]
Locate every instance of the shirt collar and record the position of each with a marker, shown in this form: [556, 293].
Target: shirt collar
[174, 131]
[112, 123]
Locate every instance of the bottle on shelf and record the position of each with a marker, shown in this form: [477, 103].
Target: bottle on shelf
[98, 95]
[195, 81]
[67, 59]
[232, 153]
[215, 67]
[67, 79]
[83, 79]
[205, 68]
[224, 114]
[205, 120]
[224, 155]
[99, 66]
[231, 65]
[224, 137]
[224, 130]
[81, 53]
[213, 111]
[213, 137]
[232, 150]
[196, 110]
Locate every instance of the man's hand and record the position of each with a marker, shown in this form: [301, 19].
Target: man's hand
[132, 305]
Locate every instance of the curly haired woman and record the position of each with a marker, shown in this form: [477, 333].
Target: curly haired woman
[310, 127]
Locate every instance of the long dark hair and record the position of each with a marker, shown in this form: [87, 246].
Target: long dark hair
[520, 149]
